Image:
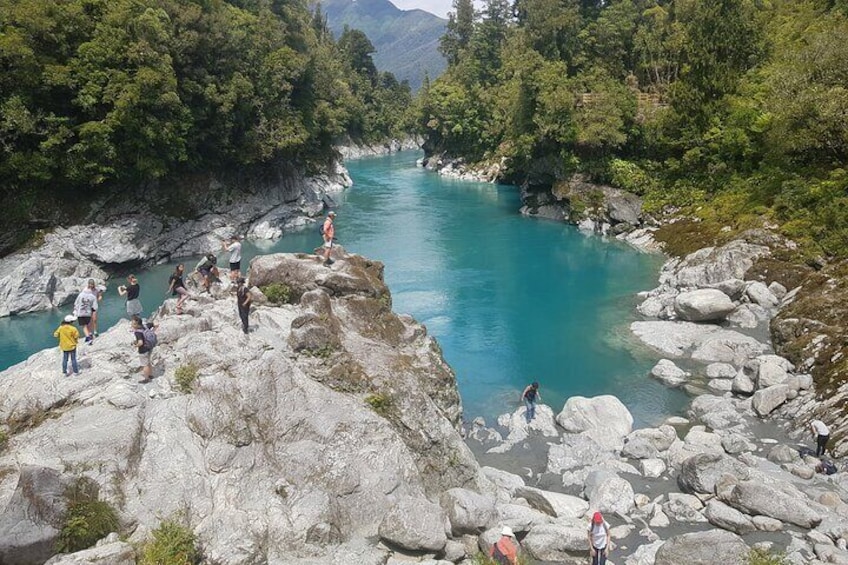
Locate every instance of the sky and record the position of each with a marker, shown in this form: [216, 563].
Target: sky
[438, 7]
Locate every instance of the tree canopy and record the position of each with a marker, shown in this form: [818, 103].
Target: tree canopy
[103, 95]
[740, 102]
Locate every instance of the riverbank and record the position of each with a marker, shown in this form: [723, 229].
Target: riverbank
[171, 222]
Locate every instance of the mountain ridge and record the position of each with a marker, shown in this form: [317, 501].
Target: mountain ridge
[406, 41]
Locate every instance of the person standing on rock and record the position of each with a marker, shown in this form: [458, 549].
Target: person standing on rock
[176, 287]
[234, 247]
[84, 307]
[505, 550]
[68, 338]
[328, 232]
[243, 300]
[99, 290]
[599, 539]
[822, 434]
[145, 340]
[207, 269]
[531, 396]
[132, 291]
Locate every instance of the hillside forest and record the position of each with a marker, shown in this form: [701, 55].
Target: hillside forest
[110, 96]
[733, 110]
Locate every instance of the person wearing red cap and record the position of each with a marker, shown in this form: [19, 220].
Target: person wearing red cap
[599, 539]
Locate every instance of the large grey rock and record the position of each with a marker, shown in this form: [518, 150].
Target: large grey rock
[713, 265]
[702, 305]
[415, 524]
[519, 429]
[760, 294]
[287, 453]
[32, 512]
[720, 371]
[743, 384]
[727, 518]
[554, 504]
[727, 346]
[772, 371]
[782, 453]
[520, 517]
[703, 548]
[674, 339]
[645, 554]
[766, 400]
[112, 553]
[660, 438]
[504, 481]
[639, 448]
[669, 373]
[607, 492]
[744, 317]
[700, 472]
[576, 451]
[734, 288]
[782, 502]
[555, 542]
[469, 512]
[605, 419]
[684, 508]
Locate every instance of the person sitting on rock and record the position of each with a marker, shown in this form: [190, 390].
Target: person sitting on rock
[505, 550]
[531, 396]
[176, 287]
[822, 434]
[84, 307]
[599, 539]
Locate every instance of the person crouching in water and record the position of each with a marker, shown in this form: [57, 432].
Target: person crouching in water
[68, 338]
[243, 300]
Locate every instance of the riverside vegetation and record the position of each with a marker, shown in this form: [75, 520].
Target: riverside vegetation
[110, 98]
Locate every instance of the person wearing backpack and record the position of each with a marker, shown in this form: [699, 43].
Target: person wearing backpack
[599, 539]
[505, 550]
[68, 337]
[84, 308]
[145, 340]
[531, 396]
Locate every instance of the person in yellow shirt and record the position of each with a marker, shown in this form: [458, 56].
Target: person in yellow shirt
[68, 337]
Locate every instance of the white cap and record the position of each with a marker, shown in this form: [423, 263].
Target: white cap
[507, 531]
[70, 318]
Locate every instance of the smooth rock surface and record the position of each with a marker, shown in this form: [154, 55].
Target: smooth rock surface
[705, 304]
[711, 547]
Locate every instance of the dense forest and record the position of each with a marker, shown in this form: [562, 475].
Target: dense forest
[742, 104]
[101, 96]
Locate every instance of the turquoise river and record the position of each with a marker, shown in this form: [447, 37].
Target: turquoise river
[510, 299]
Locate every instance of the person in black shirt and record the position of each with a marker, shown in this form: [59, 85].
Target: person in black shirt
[144, 351]
[176, 287]
[132, 291]
[243, 300]
[531, 396]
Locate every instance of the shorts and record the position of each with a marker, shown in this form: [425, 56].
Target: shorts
[144, 359]
[83, 320]
[205, 272]
[180, 291]
[235, 266]
[328, 244]
[133, 307]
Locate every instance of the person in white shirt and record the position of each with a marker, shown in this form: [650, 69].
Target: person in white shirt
[599, 539]
[234, 247]
[822, 434]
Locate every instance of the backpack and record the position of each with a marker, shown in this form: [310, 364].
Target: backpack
[148, 336]
[321, 228]
[828, 468]
[498, 556]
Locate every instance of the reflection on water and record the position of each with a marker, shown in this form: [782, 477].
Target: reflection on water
[510, 299]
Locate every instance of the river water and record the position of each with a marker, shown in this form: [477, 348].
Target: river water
[509, 299]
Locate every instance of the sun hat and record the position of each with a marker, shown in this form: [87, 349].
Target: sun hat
[597, 518]
[331, 213]
[507, 531]
[70, 318]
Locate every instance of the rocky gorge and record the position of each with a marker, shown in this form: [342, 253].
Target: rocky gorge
[171, 222]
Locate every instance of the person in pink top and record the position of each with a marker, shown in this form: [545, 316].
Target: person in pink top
[328, 233]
